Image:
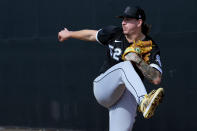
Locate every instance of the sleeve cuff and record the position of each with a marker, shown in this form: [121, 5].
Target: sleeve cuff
[156, 67]
[97, 37]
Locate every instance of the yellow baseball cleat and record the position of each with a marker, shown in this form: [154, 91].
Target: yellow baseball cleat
[150, 102]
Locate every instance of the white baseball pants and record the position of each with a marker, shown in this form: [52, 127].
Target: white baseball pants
[120, 89]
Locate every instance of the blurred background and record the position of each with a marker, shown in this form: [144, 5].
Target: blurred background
[47, 84]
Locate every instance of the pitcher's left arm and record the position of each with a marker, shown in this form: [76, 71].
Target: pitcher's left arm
[149, 72]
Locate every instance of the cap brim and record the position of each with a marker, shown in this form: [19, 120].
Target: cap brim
[120, 16]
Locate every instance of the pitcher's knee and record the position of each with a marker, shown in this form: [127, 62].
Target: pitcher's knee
[107, 97]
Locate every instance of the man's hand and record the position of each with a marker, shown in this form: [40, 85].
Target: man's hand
[64, 35]
[86, 35]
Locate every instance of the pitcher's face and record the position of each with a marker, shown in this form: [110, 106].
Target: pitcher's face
[130, 25]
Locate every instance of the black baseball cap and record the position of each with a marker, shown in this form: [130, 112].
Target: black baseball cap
[133, 12]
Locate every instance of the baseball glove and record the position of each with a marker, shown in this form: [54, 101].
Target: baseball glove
[140, 47]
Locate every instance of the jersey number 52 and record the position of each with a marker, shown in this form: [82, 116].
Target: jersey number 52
[115, 53]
